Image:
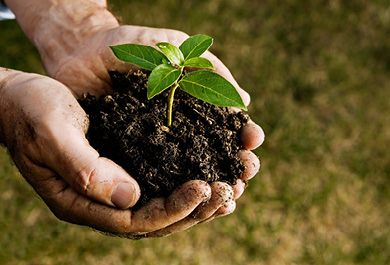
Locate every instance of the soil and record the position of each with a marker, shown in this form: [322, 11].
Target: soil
[202, 142]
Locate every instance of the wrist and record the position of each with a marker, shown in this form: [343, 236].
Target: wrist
[67, 29]
[59, 28]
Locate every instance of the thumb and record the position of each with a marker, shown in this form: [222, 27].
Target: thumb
[96, 177]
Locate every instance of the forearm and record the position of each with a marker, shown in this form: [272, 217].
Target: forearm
[59, 27]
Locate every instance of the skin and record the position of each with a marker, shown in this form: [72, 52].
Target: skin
[44, 128]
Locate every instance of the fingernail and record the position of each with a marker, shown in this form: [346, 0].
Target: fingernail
[124, 195]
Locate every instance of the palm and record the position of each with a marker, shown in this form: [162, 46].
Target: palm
[86, 71]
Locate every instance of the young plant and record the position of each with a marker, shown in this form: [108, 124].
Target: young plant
[167, 69]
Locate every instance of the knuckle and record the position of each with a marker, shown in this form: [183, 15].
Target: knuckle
[224, 194]
[226, 209]
[83, 179]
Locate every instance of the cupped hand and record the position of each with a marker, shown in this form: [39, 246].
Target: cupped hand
[44, 129]
[85, 69]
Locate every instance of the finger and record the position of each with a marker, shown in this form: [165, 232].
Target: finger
[223, 211]
[251, 135]
[160, 213]
[239, 189]
[68, 205]
[226, 209]
[251, 163]
[222, 194]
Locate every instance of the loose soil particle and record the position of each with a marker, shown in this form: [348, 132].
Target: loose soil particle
[202, 142]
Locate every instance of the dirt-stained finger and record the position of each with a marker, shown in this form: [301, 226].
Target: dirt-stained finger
[222, 194]
[239, 188]
[252, 136]
[160, 213]
[251, 162]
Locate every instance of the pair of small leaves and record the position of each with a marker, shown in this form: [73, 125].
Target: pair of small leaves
[176, 56]
[167, 67]
[148, 57]
[189, 52]
[187, 55]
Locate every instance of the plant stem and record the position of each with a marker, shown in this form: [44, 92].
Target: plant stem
[170, 102]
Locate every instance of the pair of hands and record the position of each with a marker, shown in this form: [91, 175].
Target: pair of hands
[44, 128]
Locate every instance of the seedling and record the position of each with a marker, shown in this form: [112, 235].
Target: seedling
[168, 66]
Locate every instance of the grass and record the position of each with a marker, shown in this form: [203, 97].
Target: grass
[318, 73]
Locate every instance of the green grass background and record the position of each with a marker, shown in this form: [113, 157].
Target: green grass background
[319, 75]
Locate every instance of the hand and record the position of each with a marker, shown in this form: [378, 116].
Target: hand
[44, 129]
[77, 54]
[86, 69]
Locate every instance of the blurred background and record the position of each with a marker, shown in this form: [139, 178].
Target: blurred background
[318, 72]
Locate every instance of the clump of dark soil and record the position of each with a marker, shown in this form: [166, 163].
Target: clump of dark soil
[202, 142]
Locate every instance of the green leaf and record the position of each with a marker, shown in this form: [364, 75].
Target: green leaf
[140, 55]
[195, 46]
[172, 52]
[199, 62]
[162, 77]
[212, 88]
